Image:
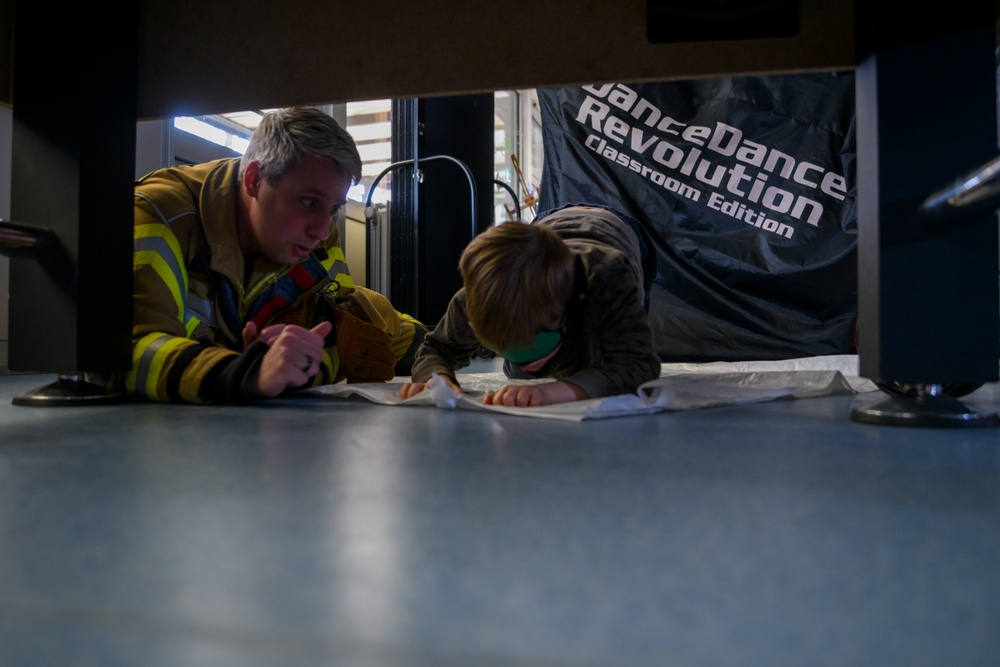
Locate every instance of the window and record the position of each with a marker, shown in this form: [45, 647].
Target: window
[368, 123]
[517, 137]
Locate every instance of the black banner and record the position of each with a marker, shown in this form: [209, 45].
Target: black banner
[746, 187]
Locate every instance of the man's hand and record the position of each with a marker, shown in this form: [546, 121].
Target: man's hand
[294, 356]
[250, 334]
[363, 349]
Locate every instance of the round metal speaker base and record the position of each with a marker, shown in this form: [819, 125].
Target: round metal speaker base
[69, 390]
[924, 410]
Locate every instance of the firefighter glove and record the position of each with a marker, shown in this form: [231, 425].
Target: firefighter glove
[363, 349]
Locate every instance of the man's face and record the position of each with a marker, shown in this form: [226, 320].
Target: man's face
[292, 215]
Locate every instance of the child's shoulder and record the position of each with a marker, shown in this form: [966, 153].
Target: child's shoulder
[593, 225]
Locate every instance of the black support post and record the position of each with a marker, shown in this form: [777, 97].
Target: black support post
[451, 139]
[928, 297]
[73, 156]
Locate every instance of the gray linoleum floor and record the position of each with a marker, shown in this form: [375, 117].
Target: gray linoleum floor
[311, 531]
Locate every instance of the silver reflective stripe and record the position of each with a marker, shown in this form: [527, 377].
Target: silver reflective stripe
[337, 268]
[146, 361]
[202, 309]
[159, 245]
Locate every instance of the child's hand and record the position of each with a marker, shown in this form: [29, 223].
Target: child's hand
[411, 389]
[524, 396]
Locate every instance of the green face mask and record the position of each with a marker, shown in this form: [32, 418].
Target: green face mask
[543, 345]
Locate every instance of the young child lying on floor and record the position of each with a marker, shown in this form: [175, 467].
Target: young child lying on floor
[564, 297]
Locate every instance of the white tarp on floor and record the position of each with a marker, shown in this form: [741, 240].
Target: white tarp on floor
[679, 387]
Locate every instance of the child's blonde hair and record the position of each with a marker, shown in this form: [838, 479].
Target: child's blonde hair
[518, 279]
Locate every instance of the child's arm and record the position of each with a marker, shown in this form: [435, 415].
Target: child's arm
[624, 336]
[446, 348]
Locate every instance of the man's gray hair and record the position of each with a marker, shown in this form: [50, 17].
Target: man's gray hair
[285, 136]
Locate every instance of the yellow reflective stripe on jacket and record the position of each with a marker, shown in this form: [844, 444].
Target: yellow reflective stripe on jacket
[336, 266]
[332, 364]
[157, 247]
[149, 355]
